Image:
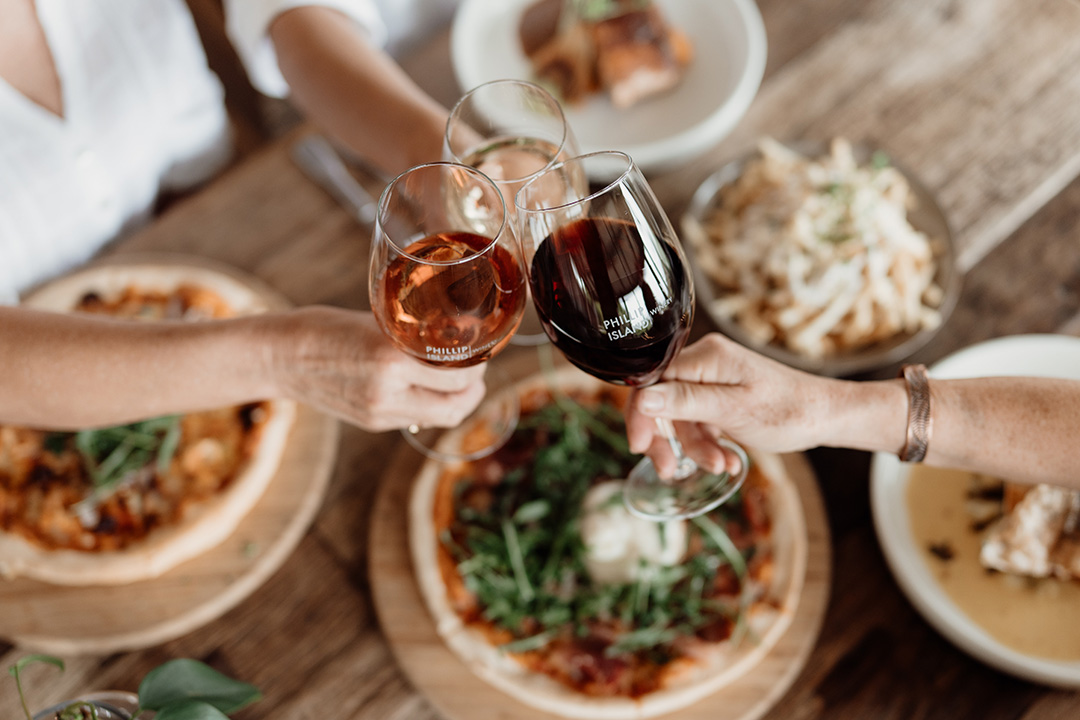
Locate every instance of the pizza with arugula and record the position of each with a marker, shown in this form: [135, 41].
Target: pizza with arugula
[119, 504]
[546, 587]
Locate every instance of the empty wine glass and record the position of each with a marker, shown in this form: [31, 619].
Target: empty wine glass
[614, 293]
[510, 130]
[447, 284]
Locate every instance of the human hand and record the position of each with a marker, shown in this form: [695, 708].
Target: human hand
[716, 386]
[341, 362]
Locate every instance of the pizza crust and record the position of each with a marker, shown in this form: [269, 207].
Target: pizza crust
[694, 681]
[64, 293]
[205, 525]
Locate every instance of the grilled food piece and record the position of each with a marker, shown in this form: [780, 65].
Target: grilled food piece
[1038, 535]
[638, 55]
[625, 48]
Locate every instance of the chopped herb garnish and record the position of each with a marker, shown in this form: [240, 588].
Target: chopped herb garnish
[115, 455]
[112, 454]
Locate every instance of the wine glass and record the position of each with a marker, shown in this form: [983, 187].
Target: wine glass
[447, 284]
[510, 130]
[614, 293]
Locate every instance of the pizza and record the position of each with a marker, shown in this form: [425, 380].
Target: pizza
[542, 583]
[120, 504]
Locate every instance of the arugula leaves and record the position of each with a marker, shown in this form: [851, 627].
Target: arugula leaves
[111, 455]
[522, 556]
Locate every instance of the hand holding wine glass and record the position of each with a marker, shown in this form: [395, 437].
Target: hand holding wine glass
[446, 280]
[613, 292]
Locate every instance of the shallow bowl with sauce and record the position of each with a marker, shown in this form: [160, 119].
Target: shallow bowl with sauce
[962, 602]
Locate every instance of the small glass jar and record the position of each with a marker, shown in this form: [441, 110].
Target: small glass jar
[110, 705]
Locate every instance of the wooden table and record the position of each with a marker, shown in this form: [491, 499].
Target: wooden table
[981, 98]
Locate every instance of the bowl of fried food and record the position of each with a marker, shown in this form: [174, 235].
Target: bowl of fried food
[827, 257]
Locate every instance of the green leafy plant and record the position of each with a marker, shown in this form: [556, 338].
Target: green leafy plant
[181, 689]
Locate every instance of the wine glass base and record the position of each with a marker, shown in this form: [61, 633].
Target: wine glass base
[483, 432]
[651, 497]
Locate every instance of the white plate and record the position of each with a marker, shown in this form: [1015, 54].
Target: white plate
[721, 81]
[1030, 355]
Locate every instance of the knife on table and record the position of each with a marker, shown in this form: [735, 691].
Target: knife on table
[321, 162]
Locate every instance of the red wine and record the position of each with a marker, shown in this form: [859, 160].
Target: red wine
[455, 314]
[616, 303]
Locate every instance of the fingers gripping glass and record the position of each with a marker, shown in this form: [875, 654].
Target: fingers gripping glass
[614, 293]
[510, 130]
[447, 284]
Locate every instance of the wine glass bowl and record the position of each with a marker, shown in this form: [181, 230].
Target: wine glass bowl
[608, 277]
[510, 130]
[615, 294]
[446, 279]
[447, 284]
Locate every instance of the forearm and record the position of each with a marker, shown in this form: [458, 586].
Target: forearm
[67, 372]
[1019, 429]
[355, 91]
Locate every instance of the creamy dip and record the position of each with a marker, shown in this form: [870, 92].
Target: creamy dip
[1035, 617]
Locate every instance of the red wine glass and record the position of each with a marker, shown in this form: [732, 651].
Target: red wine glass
[447, 284]
[614, 293]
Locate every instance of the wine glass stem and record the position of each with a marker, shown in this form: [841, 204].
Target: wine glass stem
[684, 466]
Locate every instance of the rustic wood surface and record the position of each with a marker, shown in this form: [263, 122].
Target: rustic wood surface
[455, 691]
[981, 98]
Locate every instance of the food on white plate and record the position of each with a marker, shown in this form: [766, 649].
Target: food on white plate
[1038, 533]
[1007, 555]
[545, 586]
[817, 254]
[625, 48]
[119, 504]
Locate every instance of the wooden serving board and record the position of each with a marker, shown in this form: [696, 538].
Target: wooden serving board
[103, 619]
[460, 695]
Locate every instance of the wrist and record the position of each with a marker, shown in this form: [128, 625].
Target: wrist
[870, 415]
[272, 341]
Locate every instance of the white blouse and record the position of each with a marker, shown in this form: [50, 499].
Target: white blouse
[142, 113]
